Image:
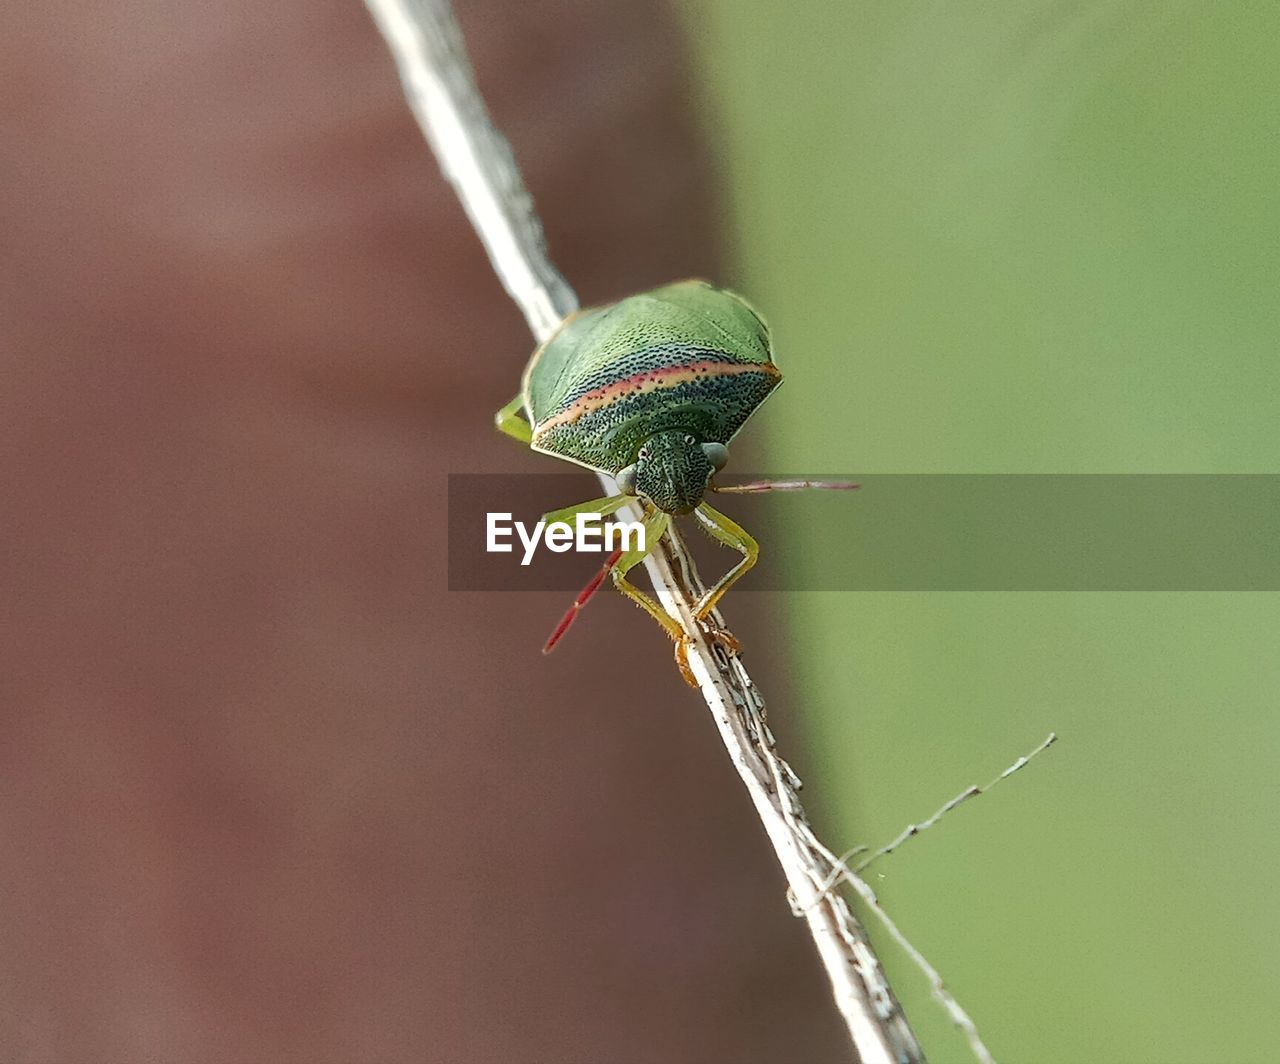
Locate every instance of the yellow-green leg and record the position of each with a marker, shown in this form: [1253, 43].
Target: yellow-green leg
[731, 534]
[655, 524]
[605, 506]
[510, 419]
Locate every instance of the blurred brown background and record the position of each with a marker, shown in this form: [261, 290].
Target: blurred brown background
[268, 792]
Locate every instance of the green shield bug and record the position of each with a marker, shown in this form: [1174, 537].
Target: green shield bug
[651, 390]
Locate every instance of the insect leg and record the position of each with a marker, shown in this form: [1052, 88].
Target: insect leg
[511, 421]
[655, 524]
[604, 507]
[732, 535]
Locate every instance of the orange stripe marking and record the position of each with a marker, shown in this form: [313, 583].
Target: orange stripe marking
[649, 381]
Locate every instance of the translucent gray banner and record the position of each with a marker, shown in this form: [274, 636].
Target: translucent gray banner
[924, 533]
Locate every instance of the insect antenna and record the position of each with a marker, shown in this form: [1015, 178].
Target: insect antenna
[757, 486]
[584, 596]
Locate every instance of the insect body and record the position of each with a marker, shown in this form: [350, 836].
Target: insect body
[651, 390]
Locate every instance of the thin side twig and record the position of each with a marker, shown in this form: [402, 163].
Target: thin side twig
[844, 873]
[844, 869]
[424, 39]
[912, 830]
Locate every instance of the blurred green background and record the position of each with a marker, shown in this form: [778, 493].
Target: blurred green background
[1044, 238]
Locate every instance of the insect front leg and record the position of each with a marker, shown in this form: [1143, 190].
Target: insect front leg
[655, 524]
[510, 420]
[604, 507]
[731, 534]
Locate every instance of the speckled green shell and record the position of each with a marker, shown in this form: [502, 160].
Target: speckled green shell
[687, 356]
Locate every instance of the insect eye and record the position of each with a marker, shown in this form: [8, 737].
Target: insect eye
[717, 454]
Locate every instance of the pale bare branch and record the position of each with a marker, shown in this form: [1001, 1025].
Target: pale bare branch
[427, 46]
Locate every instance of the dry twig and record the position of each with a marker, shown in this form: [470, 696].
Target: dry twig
[843, 873]
[427, 45]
